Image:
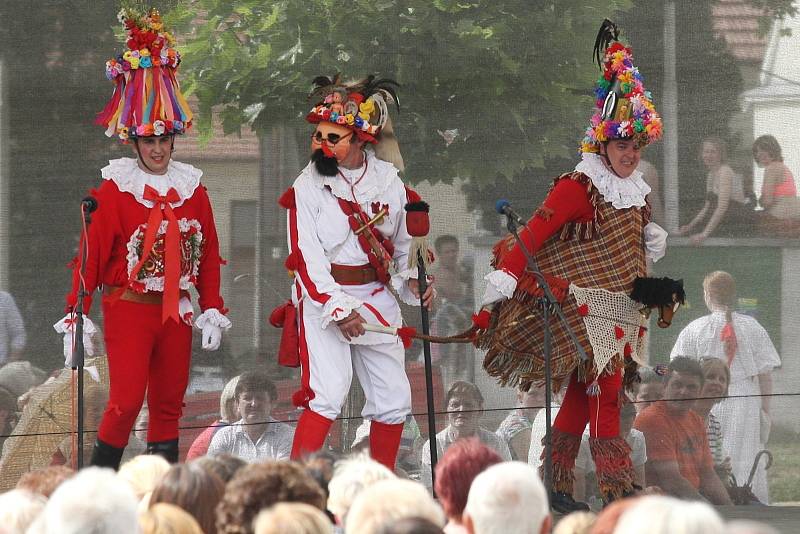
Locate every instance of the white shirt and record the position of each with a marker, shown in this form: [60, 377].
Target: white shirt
[12, 329]
[274, 444]
[635, 439]
[755, 353]
[446, 437]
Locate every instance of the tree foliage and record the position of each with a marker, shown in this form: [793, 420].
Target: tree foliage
[502, 77]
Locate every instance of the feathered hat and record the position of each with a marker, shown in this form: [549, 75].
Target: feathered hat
[624, 108]
[147, 99]
[361, 106]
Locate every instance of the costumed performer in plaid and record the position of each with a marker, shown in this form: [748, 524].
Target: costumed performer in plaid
[591, 238]
[348, 243]
[152, 237]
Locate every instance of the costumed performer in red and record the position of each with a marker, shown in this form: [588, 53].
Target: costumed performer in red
[350, 241]
[152, 237]
[591, 238]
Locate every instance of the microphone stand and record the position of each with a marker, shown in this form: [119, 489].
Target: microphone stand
[548, 301]
[78, 354]
[422, 277]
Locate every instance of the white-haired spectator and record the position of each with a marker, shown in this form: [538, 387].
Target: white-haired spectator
[668, 515]
[576, 523]
[387, 502]
[18, 509]
[91, 501]
[292, 518]
[507, 497]
[143, 473]
[350, 477]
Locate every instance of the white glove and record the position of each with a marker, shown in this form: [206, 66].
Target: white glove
[66, 326]
[212, 336]
[655, 241]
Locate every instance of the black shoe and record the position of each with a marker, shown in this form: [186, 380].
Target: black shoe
[563, 503]
[167, 449]
[105, 455]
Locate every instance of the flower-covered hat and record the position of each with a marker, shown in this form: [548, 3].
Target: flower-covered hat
[147, 99]
[360, 106]
[624, 108]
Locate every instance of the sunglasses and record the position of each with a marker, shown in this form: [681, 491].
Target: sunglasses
[332, 138]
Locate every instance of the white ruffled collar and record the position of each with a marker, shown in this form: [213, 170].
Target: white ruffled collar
[380, 175]
[125, 172]
[620, 192]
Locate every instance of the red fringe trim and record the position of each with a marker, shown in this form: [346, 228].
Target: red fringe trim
[612, 459]
[565, 450]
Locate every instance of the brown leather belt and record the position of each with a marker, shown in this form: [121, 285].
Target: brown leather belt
[353, 275]
[139, 298]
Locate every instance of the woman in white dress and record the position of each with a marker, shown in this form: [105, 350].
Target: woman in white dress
[744, 344]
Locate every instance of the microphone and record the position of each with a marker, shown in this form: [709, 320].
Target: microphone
[503, 207]
[88, 204]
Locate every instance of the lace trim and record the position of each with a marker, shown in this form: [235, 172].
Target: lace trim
[503, 281]
[400, 285]
[338, 308]
[125, 172]
[620, 192]
[156, 283]
[380, 176]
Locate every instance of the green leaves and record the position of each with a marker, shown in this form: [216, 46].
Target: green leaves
[504, 74]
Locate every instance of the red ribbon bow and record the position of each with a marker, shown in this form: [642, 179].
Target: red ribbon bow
[162, 207]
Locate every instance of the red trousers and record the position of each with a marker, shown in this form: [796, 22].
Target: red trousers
[601, 411]
[144, 354]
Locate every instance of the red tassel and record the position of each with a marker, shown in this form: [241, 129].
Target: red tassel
[627, 351]
[481, 319]
[291, 263]
[412, 196]
[406, 333]
[642, 330]
[619, 333]
[583, 310]
[287, 200]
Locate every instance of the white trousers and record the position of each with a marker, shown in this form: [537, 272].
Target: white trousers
[378, 359]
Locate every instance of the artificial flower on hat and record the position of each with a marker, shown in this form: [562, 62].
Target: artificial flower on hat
[623, 107]
[147, 98]
[361, 106]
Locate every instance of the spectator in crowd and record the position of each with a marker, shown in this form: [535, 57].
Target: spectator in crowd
[96, 397]
[679, 460]
[18, 510]
[576, 522]
[464, 411]
[725, 211]
[515, 429]
[45, 481]
[137, 442]
[12, 330]
[741, 342]
[351, 476]
[450, 281]
[584, 465]
[320, 466]
[223, 465]
[292, 518]
[778, 191]
[256, 435]
[454, 311]
[507, 497]
[412, 525]
[194, 489]
[389, 501]
[461, 463]
[143, 473]
[649, 389]
[164, 518]
[91, 501]
[260, 486]
[658, 514]
[410, 444]
[228, 413]
[606, 521]
[716, 377]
